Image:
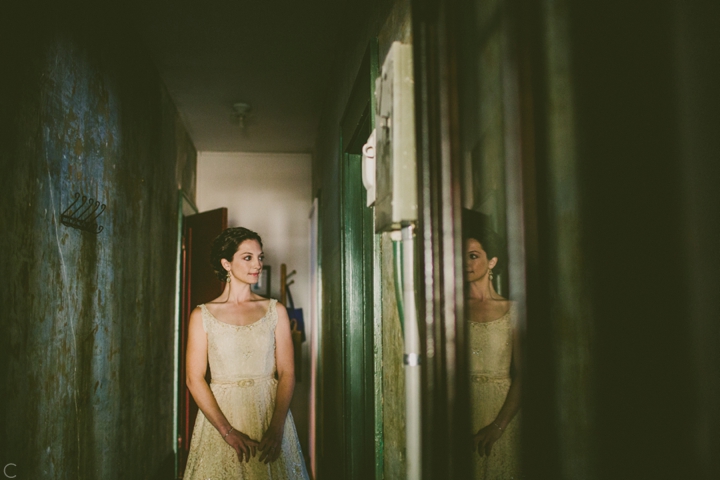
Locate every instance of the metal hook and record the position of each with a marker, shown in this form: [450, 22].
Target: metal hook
[84, 216]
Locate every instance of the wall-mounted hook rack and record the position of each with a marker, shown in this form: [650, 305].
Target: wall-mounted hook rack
[83, 213]
[295, 315]
[284, 276]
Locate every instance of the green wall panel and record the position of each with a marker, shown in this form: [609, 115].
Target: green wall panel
[386, 22]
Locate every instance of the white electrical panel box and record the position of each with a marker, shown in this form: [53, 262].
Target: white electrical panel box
[396, 180]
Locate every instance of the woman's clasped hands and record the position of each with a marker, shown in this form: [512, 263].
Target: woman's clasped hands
[244, 446]
[271, 444]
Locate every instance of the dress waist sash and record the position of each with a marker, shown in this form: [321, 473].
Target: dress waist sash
[243, 382]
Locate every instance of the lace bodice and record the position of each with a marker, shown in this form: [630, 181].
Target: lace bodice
[238, 352]
[491, 346]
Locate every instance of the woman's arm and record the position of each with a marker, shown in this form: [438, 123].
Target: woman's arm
[285, 361]
[196, 367]
[488, 435]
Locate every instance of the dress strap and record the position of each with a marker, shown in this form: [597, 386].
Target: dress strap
[272, 312]
[204, 311]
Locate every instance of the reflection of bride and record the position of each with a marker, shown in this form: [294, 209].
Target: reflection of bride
[494, 357]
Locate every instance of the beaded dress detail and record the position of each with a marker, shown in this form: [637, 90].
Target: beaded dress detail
[242, 365]
[491, 346]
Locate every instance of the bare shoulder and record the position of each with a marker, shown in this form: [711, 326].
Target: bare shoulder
[196, 327]
[282, 313]
[196, 314]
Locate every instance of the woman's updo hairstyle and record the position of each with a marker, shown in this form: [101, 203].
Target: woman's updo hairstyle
[225, 246]
[475, 225]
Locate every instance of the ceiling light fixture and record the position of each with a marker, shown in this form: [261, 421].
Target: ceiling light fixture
[242, 110]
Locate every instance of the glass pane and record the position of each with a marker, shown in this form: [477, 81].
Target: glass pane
[492, 314]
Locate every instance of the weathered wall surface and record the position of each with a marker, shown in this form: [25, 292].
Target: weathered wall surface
[388, 21]
[86, 352]
[393, 372]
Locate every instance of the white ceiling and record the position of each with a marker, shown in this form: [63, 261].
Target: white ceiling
[273, 54]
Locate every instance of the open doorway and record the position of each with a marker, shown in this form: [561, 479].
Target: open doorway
[197, 284]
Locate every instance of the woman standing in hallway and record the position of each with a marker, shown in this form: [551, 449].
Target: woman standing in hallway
[244, 429]
[494, 356]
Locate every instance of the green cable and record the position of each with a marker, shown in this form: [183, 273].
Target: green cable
[398, 277]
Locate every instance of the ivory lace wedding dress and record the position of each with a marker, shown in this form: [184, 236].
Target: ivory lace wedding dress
[242, 365]
[490, 358]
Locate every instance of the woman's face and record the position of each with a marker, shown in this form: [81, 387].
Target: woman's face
[247, 263]
[476, 261]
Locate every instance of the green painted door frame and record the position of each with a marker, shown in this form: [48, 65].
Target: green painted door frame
[373, 55]
[362, 341]
[357, 325]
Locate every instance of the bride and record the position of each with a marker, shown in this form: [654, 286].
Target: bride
[244, 429]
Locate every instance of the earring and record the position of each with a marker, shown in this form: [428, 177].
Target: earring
[229, 278]
[490, 274]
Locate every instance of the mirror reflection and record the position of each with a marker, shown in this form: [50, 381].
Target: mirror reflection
[494, 351]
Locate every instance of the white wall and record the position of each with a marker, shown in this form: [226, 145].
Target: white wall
[270, 194]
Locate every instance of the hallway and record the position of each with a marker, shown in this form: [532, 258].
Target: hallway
[361, 139]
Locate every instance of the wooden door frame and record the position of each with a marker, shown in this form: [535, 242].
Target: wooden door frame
[187, 284]
[185, 207]
[315, 318]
